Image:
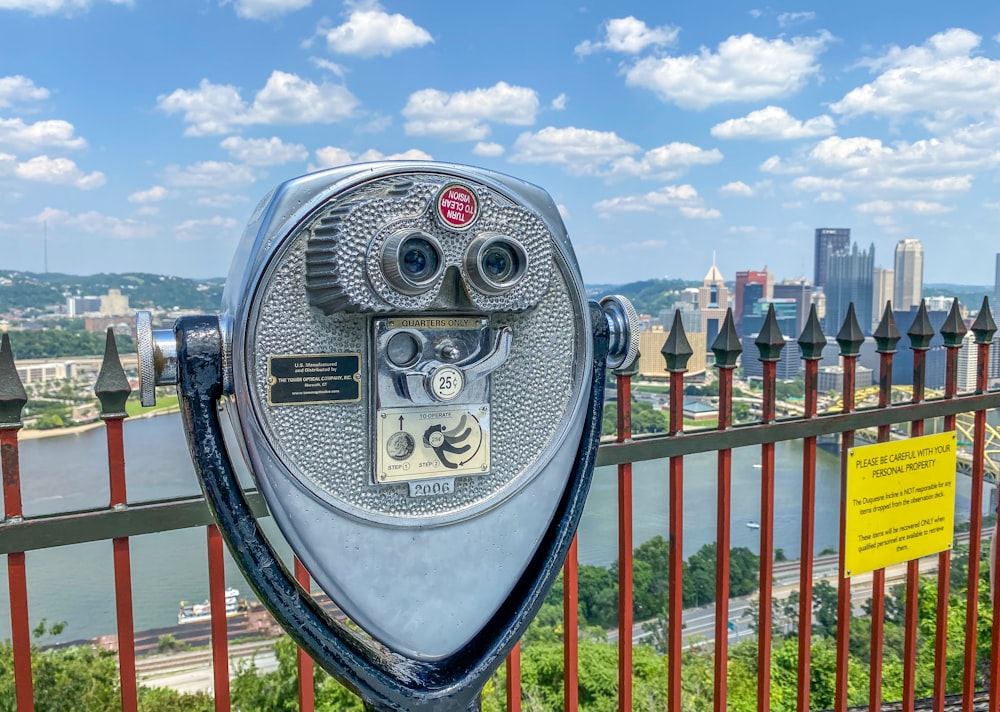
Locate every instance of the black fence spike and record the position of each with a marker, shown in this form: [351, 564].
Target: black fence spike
[112, 386]
[770, 341]
[984, 327]
[812, 340]
[727, 347]
[921, 332]
[850, 337]
[953, 330]
[676, 349]
[12, 395]
[887, 333]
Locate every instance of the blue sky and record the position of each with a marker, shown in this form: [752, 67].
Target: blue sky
[140, 134]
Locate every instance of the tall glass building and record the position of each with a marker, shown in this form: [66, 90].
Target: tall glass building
[849, 279]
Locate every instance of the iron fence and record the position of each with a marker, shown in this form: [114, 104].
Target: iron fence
[119, 521]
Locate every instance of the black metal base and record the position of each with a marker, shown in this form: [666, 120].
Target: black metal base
[383, 679]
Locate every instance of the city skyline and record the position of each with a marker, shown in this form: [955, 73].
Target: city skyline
[140, 135]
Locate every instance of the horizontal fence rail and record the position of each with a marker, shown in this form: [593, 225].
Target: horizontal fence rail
[973, 679]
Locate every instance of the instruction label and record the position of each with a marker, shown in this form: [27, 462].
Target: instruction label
[301, 379]
[430, 442]
[900, 501]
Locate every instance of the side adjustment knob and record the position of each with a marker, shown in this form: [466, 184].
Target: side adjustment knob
[157, 358]
[623, 323]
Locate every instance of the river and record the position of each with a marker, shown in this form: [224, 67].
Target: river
[74, 583]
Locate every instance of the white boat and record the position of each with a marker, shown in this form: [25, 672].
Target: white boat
[757, 466]
[197, 612]
[753, 525]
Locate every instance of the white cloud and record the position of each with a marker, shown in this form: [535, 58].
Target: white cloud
[54, 7]
[919, 207]
[666, 162]
[940, 78]
[629, 36]
[284, 99]
[55, 132]
[210, 174]
[788, 19]
[682, 198]
[60, 171]
[332, 156]
[743, 229]
[337, 70]
[95, 223]
[16, 89]
[153, 195]
[870, 155]
[559, 103]
[745, 68]
[463, 116]
[267, 9]
[221, 200]
[217, 226]
[774, 123]
[264, 151]
[488, 149]
[737, 188]
[578, 151]
[371, 32]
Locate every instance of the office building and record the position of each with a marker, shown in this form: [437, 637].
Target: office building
[653, 365]
[713, 300]
[756, 281]
[909, 277]
[883, 283]
[849, 280]
[801, 291]
[787, 368]
[827, 238]
[785, 312]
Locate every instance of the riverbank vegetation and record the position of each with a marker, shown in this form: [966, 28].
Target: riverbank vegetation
[85, 678]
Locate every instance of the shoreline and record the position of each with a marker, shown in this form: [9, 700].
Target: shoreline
[32, 434]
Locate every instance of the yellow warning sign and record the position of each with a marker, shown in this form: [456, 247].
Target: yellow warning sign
[900, 501]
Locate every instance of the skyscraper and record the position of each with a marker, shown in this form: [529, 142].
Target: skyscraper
[741, 304]
[909, 277]
[801, 291]
[713, 300]
[883, 282]
[849, 279]
[838, 238]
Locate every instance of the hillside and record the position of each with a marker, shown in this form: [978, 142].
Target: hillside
[29, 290]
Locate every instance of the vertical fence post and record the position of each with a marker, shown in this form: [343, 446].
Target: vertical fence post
[12, 402]
[726, 349]
[769, 342]
[676, 351]
[304, 662]
[514, 679]
[984, 327]
[811, 342]
[623, 432]
[953, 332]
[571, 627]
[112, 389]
[886, 337]
[920, 332]
[849, 338]
[220, 624]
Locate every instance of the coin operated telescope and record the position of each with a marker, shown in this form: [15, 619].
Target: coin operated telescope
[408, 365]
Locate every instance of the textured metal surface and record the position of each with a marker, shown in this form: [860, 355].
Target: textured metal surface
[144, 348]
[386, 680]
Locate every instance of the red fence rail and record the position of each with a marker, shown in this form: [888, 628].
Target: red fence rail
[119, 521]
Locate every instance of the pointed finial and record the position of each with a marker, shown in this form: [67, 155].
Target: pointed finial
[812, 340]
[12, 395]
[984, 327]
[921, 332]
[727, 347]
[770, 341]
[850, 337]
[887, 333]
[112, 386]
[953, 330]
[676, 350]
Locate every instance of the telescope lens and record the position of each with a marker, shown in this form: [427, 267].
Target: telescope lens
[411, 261]
[419, 259]
[495, 263]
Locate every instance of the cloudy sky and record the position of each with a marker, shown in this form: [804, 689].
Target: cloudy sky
[140, 134]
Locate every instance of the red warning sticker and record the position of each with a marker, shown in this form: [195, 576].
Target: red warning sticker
[457, 206]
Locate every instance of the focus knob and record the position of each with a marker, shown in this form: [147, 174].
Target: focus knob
[623, 323]
[157, 358]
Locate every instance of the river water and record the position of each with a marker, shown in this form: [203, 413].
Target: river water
[74, 583]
